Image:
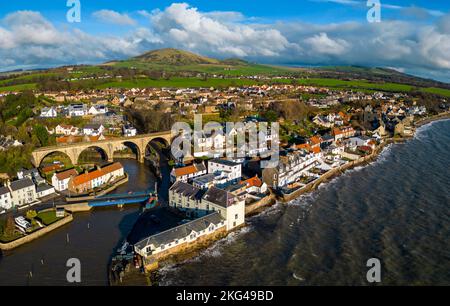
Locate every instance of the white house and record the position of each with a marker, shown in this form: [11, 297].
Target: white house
[179, 235]
[48, 112]
[93, 129]
[67, 130]
[22, 192]
[196, 203]
[97, 109]
[188, 172]
[223, 165]
[129, 131]
[5, 198]
[61, 180]
[76, 110]
[44, 190]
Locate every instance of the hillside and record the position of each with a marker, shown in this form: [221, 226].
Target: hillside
[175, 57]
[178, 68]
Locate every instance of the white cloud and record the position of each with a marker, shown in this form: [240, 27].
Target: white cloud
[110, 16]
[28, 39]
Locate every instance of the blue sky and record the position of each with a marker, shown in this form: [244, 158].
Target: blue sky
[413, 36]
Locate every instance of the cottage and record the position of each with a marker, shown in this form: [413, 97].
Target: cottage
[97, 178]
[60, 180]
[22, 192]
[5, 198]
[169, 241]
[48, 112]
[222, 165]
[188, 172]
[93, 129]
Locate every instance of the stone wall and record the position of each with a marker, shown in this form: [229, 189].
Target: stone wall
[152, 262]
[14, 244]
[258, 205]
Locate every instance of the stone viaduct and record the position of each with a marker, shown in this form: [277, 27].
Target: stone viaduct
[107, 146]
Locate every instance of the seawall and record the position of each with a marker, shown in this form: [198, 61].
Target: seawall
[43, 231]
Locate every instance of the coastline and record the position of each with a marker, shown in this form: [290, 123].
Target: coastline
[273, 198]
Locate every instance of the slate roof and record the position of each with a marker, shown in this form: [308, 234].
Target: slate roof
[219, 197]
[20, 184]
[181, 231]
[225, 162]
[187, 190]
[4, 190]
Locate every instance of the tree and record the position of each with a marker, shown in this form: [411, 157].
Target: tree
[10, 227]
[42, 134]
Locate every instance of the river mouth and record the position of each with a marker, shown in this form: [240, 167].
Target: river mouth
[94, 237]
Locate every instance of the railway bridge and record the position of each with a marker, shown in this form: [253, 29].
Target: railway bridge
[107, 147]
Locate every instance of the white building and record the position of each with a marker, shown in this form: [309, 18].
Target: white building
[5, 198]
[61, 180]
[179, 235]
[77, 110]
[93, 129]
[129, 131]
[223, 165]
[67, 130]
[22, 192]
[188, 172]
[196, 203]
[44, 190]
[48, 112]
[97, 110]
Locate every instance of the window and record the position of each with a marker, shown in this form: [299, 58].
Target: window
[234, 224]
[236, 216]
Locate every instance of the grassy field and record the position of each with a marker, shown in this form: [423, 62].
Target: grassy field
[18, 87]
[178, 83]
[438, 91]
[47, 217]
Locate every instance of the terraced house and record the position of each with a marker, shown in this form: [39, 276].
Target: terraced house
[97, 178]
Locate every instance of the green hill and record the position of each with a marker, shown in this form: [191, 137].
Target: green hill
[175, 57]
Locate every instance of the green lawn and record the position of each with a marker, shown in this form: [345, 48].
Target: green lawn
[18, 87]
[47, 217]
[439, 91]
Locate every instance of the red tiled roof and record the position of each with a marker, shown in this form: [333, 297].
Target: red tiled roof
[66, 174]
[253, 181]
[86, 177]
[185, 170]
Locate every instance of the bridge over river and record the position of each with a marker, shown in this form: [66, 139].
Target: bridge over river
[107, 147]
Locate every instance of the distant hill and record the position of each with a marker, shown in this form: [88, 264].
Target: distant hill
[175, 57]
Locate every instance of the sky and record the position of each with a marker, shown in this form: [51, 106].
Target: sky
[413, 36]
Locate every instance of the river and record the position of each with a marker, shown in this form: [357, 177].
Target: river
[93, 238]
[396, 209]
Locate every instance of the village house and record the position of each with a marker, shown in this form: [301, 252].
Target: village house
[44, 190]
[255, 185]
[188, 172]
[22, 192]
[222, 165]
[343, 132]
[290, 168]
[48, 112]
[93, 129]
[129, 131]
[171, 240]
[77, 110]
[60, 180]
[90, 180]
[5, 198]
[196, 203]
[97, 109]
[67, 130]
